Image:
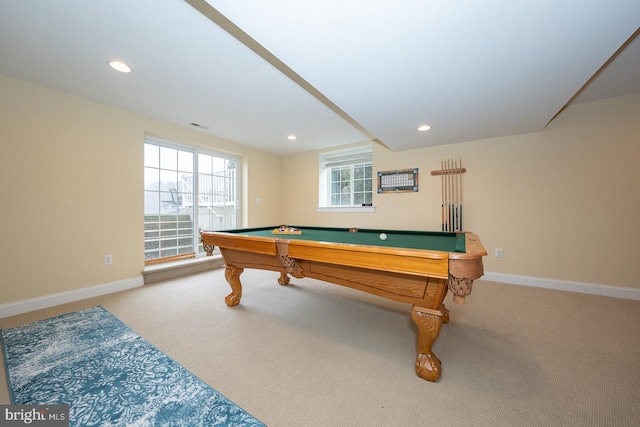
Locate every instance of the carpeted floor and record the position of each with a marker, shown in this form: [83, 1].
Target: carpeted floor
[316, 354]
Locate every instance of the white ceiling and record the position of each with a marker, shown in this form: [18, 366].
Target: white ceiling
[332, 72]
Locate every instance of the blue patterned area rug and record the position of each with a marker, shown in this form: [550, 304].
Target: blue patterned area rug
[109, 375]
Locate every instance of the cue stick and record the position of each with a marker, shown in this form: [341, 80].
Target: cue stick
[457, 202]
[454, 178]
[455, 189]
[442, 185]
[457, 199]
[450, 194]
[461, 195]
[453, 197]
[446, 194]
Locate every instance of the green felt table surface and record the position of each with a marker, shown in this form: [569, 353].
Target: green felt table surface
[426, 240]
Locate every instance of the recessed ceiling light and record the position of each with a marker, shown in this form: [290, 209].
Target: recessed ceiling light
[292, 137]
[423, 128]
[120, 66]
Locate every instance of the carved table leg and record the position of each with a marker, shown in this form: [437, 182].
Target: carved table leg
[445, 314]
[284, 278]
[428, 366]
[232, 274]
[460, 287]
[291, 267]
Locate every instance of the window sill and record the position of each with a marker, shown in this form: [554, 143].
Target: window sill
[173, 270]
[335, 209]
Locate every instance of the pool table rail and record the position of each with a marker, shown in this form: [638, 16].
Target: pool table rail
[421, 262]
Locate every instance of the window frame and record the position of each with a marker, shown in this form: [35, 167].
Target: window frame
[197, 250]
[343, 157]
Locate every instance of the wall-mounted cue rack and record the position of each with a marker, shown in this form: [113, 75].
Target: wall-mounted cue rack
[398, 181]
[450, 173]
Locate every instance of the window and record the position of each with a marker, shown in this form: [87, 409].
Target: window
[185, 191]
[346, 179]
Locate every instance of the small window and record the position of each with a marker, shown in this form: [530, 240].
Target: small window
[346, 178]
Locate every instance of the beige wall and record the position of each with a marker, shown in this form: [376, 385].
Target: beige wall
[72, 183]
[563, 203]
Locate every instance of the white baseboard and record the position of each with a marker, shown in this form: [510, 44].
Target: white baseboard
[25, 306]
[564, 285]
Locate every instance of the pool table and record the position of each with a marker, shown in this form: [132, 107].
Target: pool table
[414, 267]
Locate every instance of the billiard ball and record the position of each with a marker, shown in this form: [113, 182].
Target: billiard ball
[383, 236]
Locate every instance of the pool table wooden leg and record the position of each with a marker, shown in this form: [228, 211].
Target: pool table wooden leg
[232, 274]
[429, 322]
[284, 278]
[291, 266]
[445, 315]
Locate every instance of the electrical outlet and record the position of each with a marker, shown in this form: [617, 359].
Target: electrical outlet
[498, 253]
[108, 259]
